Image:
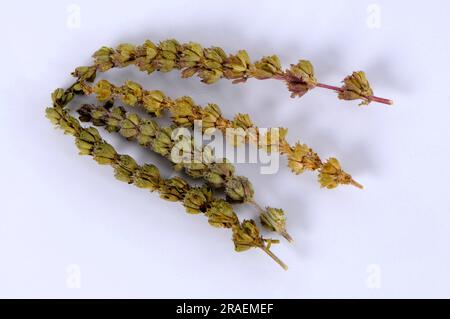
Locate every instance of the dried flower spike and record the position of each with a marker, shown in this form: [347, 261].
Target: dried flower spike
[238, 189]
[185, 112]
[219, 212]
[212, 64]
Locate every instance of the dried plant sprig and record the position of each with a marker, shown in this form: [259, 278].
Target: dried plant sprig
[218, 174]
[184, 112]
[212, 64]
[246, 235]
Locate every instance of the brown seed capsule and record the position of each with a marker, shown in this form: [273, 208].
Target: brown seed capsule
[300, 78]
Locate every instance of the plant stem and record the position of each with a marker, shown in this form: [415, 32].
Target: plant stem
[262, 210]
[274, 257]
[288, 237]
[371, 98]
[355, 183]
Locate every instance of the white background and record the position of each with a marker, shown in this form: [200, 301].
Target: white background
[63, 215]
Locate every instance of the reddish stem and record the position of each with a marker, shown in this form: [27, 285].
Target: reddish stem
[330, 87]
[371, 98]
[338, 89]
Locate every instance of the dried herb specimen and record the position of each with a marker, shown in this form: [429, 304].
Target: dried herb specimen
[210, 64]
[198, 200]
[218, 174]
[184, 112]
